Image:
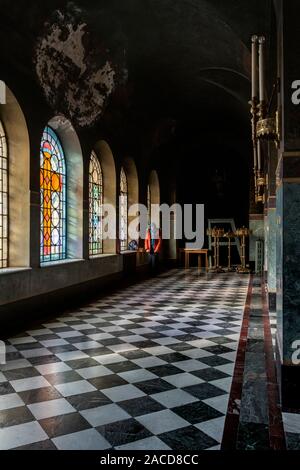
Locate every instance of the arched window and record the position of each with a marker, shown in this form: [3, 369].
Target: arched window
[3, 199]
[123, 211]
[95, 206]
[53, 198]
[154, 191]
[149, 203]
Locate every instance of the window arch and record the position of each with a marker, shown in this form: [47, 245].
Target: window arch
[154, 190]
[109, 193]
[15, 163]
[123, 210]
[95, 206]
[149, 204]
[53, 198]
[3, 199]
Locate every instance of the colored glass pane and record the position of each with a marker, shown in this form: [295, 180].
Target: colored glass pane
[149, 203]
[95, 207]
[53, 198]
[123, 211]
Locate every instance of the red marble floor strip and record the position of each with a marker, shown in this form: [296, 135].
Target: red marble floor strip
[277, 436]
[230, 434]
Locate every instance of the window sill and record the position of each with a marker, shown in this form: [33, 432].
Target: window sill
[128, 252]
[104, 255]
[13, 270]
[61, 262]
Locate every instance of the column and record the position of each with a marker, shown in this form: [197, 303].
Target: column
[288, 205]
[256, 222]
[270, 225]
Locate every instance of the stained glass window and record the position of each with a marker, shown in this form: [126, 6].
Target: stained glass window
[123, 211]
[96, 206]
[149, 203]
[53, 198]
[3, 200]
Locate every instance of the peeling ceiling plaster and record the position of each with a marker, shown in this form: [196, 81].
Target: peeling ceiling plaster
[75, 80]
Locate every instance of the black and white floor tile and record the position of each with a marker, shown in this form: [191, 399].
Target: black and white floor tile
[148, 367]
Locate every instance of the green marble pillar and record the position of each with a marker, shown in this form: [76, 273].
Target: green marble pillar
[288, 205]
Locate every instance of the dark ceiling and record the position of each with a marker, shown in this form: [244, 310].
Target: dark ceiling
[182, 81]
[186, 59]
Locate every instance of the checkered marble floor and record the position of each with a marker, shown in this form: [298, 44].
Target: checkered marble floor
[148, 367]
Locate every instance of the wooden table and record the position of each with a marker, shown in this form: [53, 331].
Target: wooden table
[193, 251]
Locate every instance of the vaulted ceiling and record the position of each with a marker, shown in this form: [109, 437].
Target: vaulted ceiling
[184, 59]
[166, 80]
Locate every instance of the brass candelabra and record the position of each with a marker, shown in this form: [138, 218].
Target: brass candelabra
[216, 234]
[230, 236]
[243, 233]
[264, 126]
